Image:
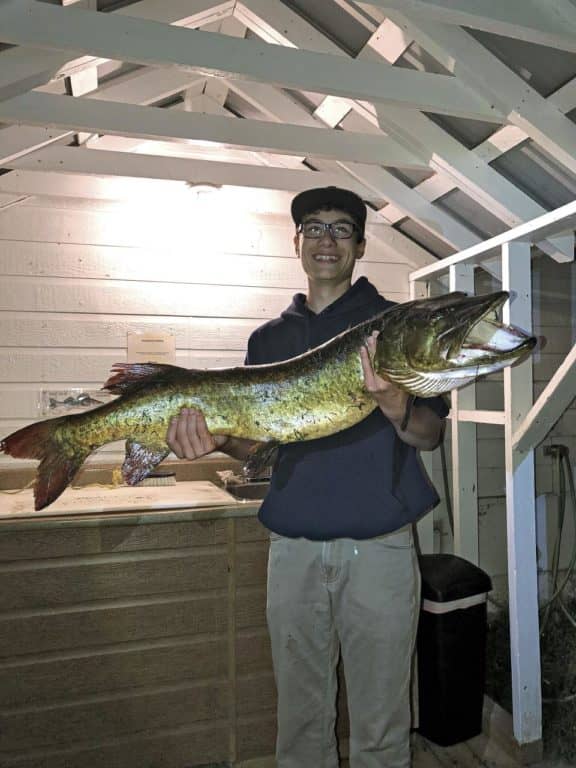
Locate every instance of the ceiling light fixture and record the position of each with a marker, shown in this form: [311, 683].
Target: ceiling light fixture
[203, 187]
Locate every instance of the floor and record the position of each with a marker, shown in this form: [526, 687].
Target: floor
[478, 752]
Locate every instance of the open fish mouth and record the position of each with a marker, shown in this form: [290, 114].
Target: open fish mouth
[487, 341]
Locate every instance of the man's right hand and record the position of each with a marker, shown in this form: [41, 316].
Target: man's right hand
[189, 438]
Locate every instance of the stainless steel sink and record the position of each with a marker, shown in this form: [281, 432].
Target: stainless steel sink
[256, 490]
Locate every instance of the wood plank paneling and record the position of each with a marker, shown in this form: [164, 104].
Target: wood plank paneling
[253, 651]
[118, 622]
[72, 261]
[256, 692]
[116, 643]
[120, 714]
[43, 584]
[43, 329]
[133, 298]
[57, 367]
[76, 279]
[170, 748]
[130, 226]
[125, 536]
[87, 672]
[128, 297]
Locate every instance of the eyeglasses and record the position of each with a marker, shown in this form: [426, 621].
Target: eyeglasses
[338, 230]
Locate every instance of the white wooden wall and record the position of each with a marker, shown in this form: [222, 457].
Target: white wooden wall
[554, 313]
[77, 275]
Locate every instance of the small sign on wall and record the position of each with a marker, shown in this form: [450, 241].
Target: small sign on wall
[151, 348]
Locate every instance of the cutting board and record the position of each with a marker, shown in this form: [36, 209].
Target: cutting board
[91, 500]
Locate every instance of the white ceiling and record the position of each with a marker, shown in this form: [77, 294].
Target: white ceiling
[453, 118]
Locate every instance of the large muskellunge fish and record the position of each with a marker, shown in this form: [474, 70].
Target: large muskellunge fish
[427, 347]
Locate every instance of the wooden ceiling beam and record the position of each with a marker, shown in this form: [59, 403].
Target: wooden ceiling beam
[59, 164]
[153, 123]
[528, 20]
[23, 67]
[162, 45]
[454, 163]
[484, 73]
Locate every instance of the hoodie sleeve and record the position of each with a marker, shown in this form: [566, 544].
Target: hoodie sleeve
[440, 405]
[251, 357]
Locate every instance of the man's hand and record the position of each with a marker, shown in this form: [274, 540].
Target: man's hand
[189, 438]
[424, 427]
[391, 399]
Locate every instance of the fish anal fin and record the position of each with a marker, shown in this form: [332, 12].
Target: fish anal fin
[141, 459]
[128, 377]
[260, 456]
[54, 475]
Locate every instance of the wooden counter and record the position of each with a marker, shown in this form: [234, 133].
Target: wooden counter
[134, 638]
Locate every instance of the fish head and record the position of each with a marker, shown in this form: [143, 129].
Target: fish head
[445, 343]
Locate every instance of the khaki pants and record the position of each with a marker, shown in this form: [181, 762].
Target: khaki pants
[360, 598]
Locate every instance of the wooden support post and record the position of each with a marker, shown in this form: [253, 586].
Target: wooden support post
[464, 451]
[425, 525]
[542, 547]
[521, 516]
[231, 636]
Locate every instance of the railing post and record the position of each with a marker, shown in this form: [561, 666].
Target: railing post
[521, 512]
[464, 450]
[425, 526]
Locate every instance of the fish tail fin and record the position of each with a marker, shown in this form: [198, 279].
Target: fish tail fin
[56, 469]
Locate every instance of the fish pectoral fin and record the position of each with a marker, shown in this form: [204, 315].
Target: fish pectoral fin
[141, 459]
[260, 456]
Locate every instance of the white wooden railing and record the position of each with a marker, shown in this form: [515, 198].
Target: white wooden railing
[525, 425]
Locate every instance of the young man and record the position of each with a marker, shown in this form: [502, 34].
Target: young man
[342, 572]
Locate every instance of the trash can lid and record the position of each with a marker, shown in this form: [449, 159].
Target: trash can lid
[449, 577]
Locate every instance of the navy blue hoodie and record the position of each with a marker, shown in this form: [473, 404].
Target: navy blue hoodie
[345, 485]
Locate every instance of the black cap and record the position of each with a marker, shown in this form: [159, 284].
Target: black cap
[329, 198]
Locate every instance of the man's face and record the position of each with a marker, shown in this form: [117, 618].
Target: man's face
[326, 258]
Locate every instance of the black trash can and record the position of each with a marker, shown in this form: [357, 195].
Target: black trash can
[451, 646]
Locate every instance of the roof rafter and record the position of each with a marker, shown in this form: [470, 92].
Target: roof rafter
[472, 175]
[481, 182]
[19, 140]
[386, 41]
[144, 88]
[216, 88]
[129, 39]
[487, 75]
[378, 180]
[500, 142]
[23, 68]
[534, 22]
[553, 401]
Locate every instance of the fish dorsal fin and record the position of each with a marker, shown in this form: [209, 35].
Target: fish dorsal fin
[438, 302]
[130, 377]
